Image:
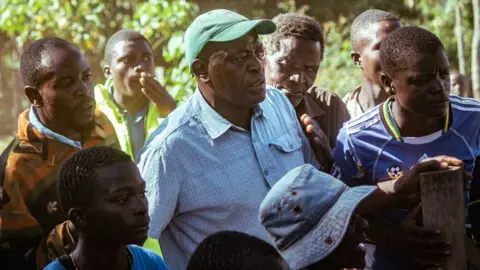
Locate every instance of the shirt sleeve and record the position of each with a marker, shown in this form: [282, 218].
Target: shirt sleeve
[162, 186]
[345, 166]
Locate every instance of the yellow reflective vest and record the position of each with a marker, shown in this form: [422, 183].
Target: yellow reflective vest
[106, 105]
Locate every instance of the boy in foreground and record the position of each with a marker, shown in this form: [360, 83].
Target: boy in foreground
[420, 120]
[103, 195]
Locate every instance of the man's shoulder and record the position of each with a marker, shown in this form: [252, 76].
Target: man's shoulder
[352, 94]
[465, 106]
[275, 96]
[326, 99]
[323, 95]
[174, 125]
[146, 257]
[364, 122]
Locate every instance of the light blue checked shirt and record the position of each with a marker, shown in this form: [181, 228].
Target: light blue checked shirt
[204, 175]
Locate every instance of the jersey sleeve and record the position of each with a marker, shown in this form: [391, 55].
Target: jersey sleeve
[345, 165]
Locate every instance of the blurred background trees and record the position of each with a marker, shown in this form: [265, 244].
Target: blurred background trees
[88, 24]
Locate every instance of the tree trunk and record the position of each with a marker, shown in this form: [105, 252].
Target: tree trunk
[459, 31]
[476, 49]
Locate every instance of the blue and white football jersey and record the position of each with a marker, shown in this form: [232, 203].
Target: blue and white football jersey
[370, 149]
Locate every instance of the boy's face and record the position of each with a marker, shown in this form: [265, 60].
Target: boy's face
[423, 87]
[129, 60]
[118, 212]
[66, 96]
[293, 68]
[369, 54]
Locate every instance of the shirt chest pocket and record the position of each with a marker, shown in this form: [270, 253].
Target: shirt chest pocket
[286, 152]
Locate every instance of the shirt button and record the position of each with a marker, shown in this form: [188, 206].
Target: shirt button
[266, 172]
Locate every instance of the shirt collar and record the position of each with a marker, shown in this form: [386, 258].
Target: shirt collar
[391, 125]
[213, 122]
[32, 115]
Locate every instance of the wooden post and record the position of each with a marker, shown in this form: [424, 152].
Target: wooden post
[443, 207]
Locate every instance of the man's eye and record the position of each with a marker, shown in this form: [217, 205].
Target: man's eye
[121, 200]
[310, 69]
[65, 82]
[260, 54]
[87, 77]
[146, 58]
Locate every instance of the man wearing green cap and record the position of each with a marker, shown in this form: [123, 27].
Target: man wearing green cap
[211, 163]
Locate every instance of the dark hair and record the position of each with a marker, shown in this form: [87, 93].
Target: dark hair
[404, 44]
[31, 69]
[122, 35]
[294, 25]
[365, 20]
[78, 175]
[233, 251]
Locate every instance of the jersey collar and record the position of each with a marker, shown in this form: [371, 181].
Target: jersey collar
[391, 126]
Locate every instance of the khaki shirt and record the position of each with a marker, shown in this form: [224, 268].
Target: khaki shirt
[353, 104]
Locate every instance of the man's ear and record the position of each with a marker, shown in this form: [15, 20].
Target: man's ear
[356, 58]
[77, 217]
[33, 96]
[388, 84]
[200, 70]
[107, 72]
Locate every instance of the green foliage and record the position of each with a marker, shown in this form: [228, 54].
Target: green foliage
[88, 24]
[337, 71]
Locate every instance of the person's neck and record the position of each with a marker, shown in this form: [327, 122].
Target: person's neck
[238, 116]
[93, 254]
[61, 128]
[133, 105]
[411, 125]
[371, 94]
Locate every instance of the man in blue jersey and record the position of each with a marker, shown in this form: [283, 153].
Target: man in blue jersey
[419, 121]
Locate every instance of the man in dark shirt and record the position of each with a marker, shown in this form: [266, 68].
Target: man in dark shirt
[294, 53]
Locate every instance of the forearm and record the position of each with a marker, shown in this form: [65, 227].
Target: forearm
[382, 198]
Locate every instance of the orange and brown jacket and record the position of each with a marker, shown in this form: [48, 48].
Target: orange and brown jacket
[30, 204]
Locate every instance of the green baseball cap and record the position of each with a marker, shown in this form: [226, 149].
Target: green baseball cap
[220, 25]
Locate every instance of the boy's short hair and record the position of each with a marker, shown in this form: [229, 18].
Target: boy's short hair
[404, 44]
[231, 250]
[122, 35]
[365, 20]
[31, 68]
[294, 25]
[78, 174]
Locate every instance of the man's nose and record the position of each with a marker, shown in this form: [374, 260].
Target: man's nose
[298, 77]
